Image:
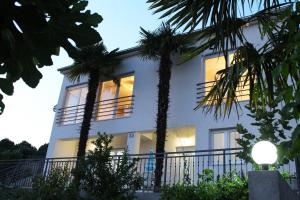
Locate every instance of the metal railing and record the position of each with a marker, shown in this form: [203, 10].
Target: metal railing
[179, 167]
[106, 109]
[242, 92]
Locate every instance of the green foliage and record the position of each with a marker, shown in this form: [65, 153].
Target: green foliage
[55, 186]
[107, 177]
[6, 144]
[15, 194]
[42, 151]
[163, 40]
[93, 57]
[273, 125]
[99, 64]
[271, 69]
[222, 21]
[32, 31]
[232, 187]
[227, 187]
[160, 44]
[286, 175]
[9, 150]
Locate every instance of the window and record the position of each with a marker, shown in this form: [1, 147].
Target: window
[224, 139]
[115, 99]
[74, 105]
[215, 64]
[117, 152]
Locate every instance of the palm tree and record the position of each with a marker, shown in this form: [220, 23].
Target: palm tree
[222, 23]
[96, 63]
[160, 44]
[271, 70]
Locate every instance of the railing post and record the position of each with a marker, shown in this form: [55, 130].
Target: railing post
[46, 167]
[165, 170]
[224, 162]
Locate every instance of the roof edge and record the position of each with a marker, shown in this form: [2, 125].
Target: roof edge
[122, 53]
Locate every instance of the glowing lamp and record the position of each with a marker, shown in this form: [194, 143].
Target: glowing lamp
[264, 153]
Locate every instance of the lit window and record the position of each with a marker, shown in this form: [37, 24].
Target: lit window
[117, 152]
[215, 64]
[74, 105]
[107, 100]
[124, 105]
[224, 139]
[115, 100]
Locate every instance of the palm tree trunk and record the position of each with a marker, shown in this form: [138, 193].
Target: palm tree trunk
[86, 123]
[297, 164]
[162, 115]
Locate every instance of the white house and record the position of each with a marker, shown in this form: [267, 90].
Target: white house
[128, 110]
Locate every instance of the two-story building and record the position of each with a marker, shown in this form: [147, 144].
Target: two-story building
[127, 108]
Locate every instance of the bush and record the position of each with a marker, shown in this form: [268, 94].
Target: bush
[109, 178]
[55, 186]
[15, 194]
[227, 187]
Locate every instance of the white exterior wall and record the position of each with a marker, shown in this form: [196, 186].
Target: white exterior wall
[182, 103]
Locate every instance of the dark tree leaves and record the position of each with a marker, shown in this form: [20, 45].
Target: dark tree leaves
[32, 31]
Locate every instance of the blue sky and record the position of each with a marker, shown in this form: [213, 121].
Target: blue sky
[29, 112]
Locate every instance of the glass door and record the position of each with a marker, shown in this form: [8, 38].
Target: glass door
[124, 104]
[107, 99]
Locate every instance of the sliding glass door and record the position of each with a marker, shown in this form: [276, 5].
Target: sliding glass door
[115, 100]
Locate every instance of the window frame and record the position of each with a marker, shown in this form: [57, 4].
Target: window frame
[227, 134]
[65, 99]
[216, 55]
[115, 103]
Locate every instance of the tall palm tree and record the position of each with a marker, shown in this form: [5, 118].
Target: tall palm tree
[96, 63]
[271, 70]
[159, 45]
[222, 23]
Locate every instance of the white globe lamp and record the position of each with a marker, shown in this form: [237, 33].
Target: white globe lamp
[264, 153]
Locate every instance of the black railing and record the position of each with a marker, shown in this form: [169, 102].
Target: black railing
[106, 109]
[242, 92]
[179, 167]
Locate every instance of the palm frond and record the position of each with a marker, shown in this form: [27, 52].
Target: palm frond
[91, 58]
[258, 66]
[165, 38]
[220, 20]
[76, 71]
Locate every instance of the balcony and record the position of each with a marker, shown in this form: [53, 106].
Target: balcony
[178, 167]
[242, 92]
[103, 110]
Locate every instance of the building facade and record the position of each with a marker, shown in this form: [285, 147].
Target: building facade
[126, 108]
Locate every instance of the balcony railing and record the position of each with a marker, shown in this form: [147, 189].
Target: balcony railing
[179, 167]
[103, 110]
[242, 92]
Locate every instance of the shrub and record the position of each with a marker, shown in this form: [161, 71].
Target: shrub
[55, 186]
[15, 194]
[232, 187]
[227, 187]
[109, 178]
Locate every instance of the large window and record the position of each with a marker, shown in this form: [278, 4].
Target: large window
[74, 104]
[215, 64]
[224, 139]
[115, 98]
